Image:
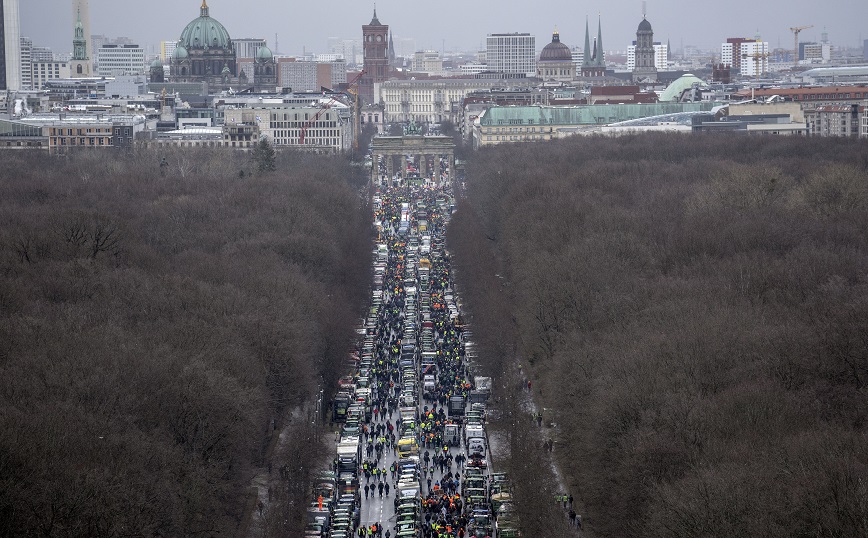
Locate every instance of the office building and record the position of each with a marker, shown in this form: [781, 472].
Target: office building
[118, 60]
[427, 61]
[41, 54]
[312, 76]
[435, 100]
[43, 71]
[731, 52]
[10, 46]
[511, 54]
[754, 58]
[348, 49]
[26, 56]
[813, 53]
[167, 49]
[247, 47]
[282, 124]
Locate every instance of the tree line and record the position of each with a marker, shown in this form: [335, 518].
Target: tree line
[157, 322]
[694, 314]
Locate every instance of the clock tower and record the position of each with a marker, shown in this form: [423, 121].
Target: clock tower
[79, 66]
[375, 38]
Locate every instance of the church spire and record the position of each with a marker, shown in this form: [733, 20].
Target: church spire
[599, 59]
[586, 61]
[79, 42]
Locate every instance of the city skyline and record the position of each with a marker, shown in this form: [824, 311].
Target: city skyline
[676, 21]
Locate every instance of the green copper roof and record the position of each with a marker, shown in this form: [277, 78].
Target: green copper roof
[205, 31]
[674, 90]
[582, 115]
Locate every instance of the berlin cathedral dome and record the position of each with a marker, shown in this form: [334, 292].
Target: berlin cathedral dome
[205, 52]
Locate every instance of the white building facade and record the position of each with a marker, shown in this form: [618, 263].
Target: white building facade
[310, 76]
[167, 49]
[282, 125]
[10, 56]
[433, 100]
[754, 58]
[118, 60]
[44, 71]
[247, 47]
[511, 53]
[26, 56]
[661, 57]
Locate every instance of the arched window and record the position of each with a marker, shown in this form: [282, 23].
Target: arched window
[78, 69]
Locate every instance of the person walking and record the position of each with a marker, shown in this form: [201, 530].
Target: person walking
[367, 489]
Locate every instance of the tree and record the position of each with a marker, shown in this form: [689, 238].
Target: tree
[264, 156]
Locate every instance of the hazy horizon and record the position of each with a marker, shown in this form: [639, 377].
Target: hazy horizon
[461, 25]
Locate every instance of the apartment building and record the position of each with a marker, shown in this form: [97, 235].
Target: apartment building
[513, 53]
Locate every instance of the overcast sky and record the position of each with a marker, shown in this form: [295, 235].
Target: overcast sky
[463, 24]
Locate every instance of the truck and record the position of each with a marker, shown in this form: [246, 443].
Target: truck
[481, 393]
[452, 434]
[349, 455]
[339, 409]
[456, 406]
[428, 384]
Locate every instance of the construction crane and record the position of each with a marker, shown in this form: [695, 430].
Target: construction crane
[759, 62]
[303, 134]
[795, 30]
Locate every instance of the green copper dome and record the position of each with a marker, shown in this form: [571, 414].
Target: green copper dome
[264, 53]
[180, 53]
[205, 32]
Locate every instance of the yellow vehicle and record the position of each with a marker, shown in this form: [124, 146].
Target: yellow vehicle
[425, 263]
[408, 446]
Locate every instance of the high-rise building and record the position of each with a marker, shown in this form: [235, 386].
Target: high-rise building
[311, 76]
[119, 60]
[731, 52]
[375, 42]
[645, 69]
[247, 47]
[10, 45]
[511, 54]
[167, 49]
[865, 49]
[754, 58]
[815, 52]
[42, 54]
[26, 55]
